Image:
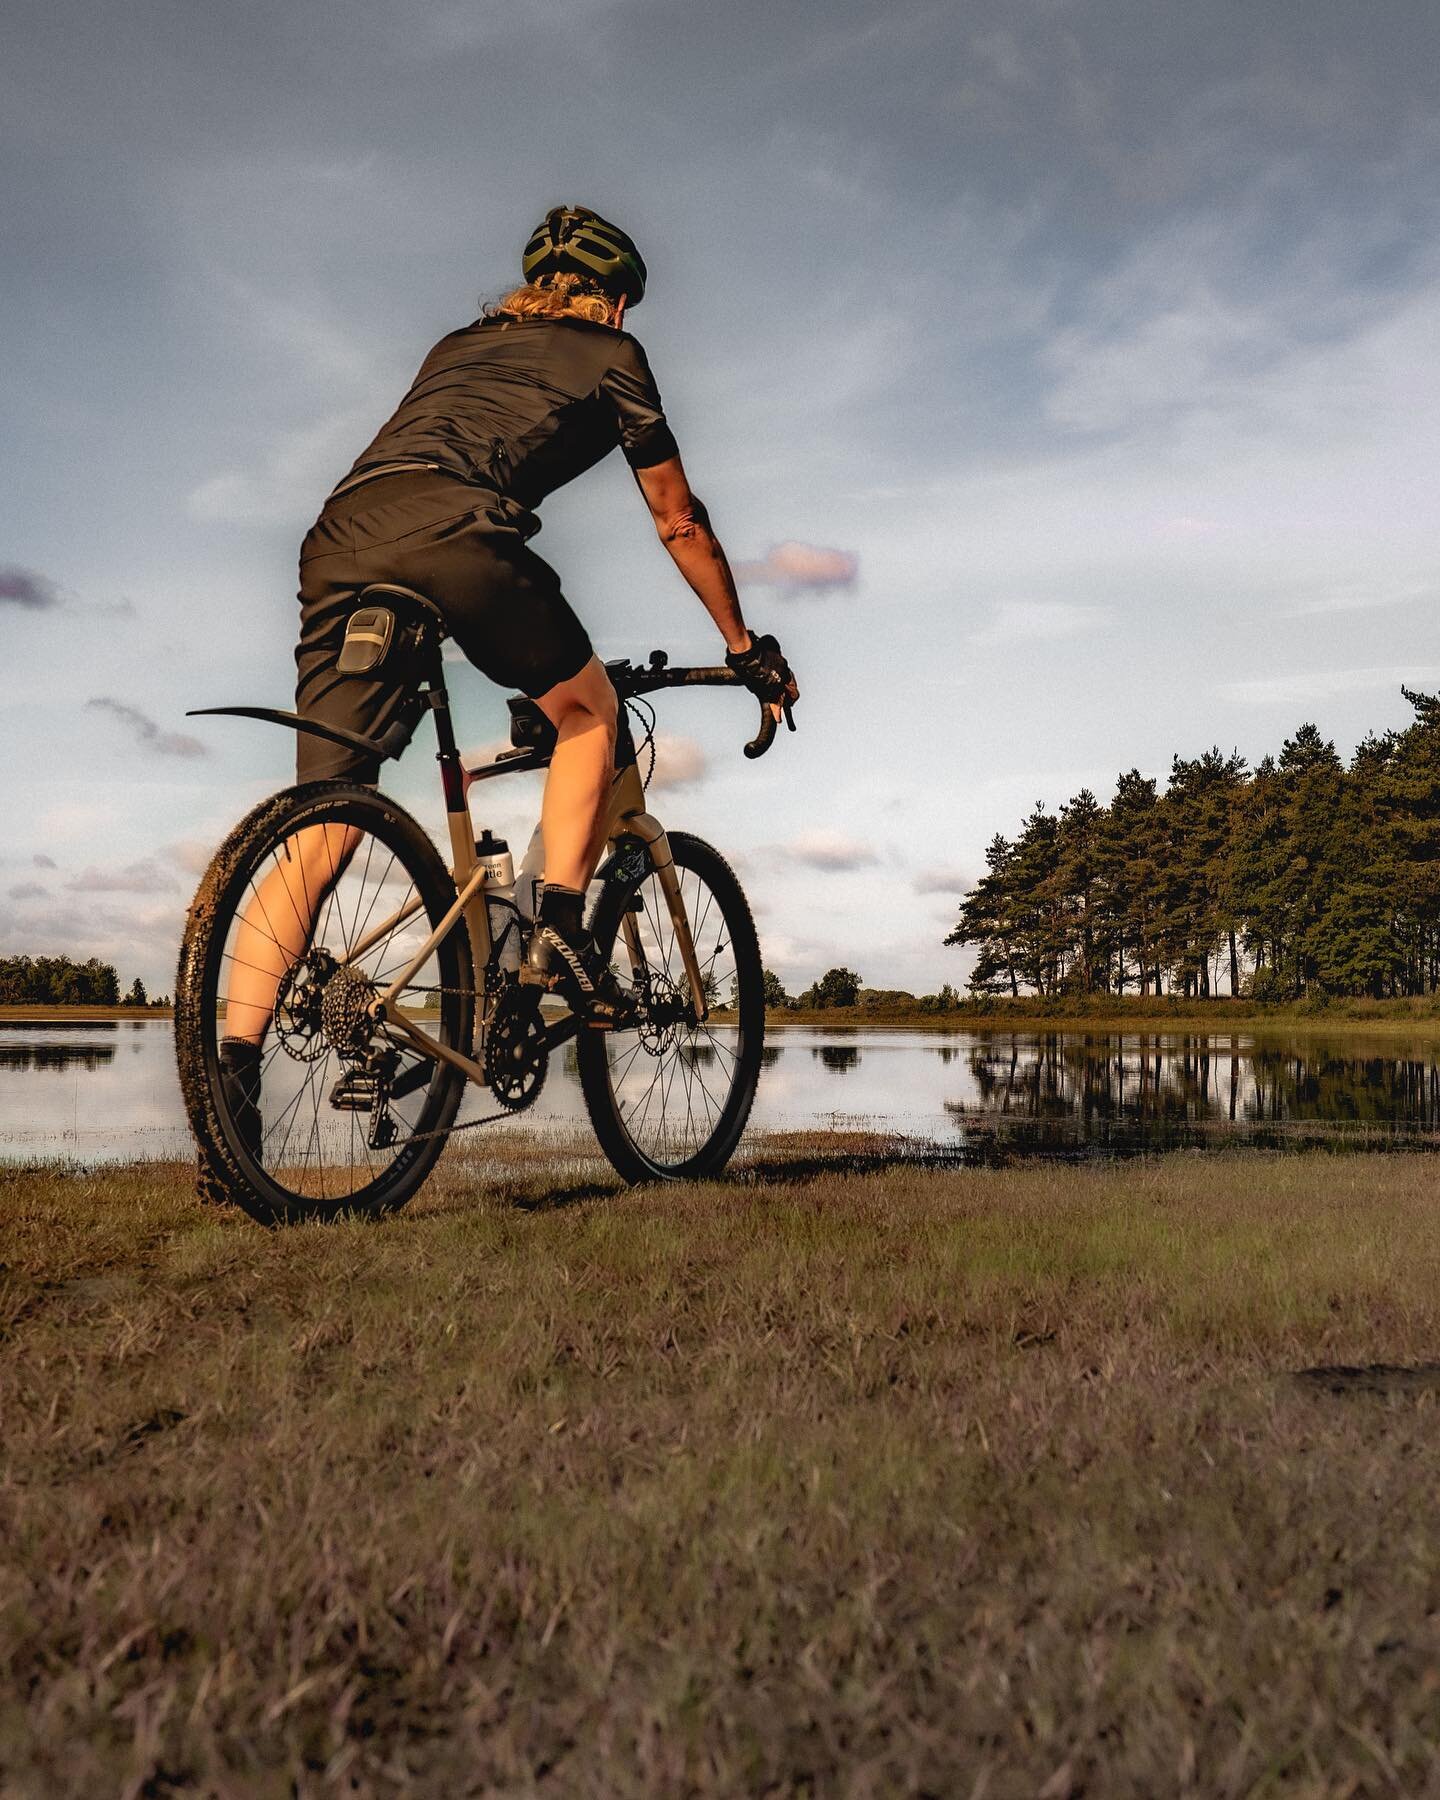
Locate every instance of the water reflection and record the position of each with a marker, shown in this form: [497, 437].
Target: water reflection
[101, 1093]
[55, 1056]
[1163, 1092]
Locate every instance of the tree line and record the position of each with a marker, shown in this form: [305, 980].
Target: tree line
[61, 981]
[843, 987]
[1306, 875]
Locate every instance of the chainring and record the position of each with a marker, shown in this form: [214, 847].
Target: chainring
[517, 1054]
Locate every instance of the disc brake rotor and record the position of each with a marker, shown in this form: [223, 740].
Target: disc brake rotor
[299, 1005]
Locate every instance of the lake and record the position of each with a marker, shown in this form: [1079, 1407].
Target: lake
[102, 1092]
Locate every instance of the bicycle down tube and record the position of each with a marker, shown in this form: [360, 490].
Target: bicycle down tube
[628, 818]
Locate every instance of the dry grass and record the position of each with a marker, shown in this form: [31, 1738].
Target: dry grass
[1417, 1019]
[987, 1483]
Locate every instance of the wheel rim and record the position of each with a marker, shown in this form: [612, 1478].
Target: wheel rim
[344, 1107]
[674, 1081]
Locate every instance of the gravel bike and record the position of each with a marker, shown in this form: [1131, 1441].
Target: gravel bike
[407, 987]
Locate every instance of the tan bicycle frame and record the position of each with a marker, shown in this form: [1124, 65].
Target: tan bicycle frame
[627, 818]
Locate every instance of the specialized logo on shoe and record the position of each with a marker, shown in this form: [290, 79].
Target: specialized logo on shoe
[577, 968]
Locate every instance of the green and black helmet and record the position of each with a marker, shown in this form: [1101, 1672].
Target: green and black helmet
[572, 240]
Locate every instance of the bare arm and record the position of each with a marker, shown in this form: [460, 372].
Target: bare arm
[684, 528]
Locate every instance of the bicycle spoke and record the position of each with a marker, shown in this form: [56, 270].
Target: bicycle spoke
[321, 1074]
[672, 1084]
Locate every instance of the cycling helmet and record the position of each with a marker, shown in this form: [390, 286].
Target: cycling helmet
[572, 240]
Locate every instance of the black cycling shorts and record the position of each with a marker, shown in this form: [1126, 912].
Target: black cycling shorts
[451, 542]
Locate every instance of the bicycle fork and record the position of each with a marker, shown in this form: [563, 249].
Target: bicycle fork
[630, 819]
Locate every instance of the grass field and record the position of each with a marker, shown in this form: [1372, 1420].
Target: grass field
[1416, 1019]
[985, 1483]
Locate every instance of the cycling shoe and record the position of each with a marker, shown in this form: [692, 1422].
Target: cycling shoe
[574, 971]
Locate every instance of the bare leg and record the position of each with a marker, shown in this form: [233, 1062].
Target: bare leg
[573, 816]
[278, 922]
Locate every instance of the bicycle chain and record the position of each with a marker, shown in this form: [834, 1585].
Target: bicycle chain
[449, 1131]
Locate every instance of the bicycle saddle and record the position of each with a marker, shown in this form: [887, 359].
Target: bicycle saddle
[405, 602]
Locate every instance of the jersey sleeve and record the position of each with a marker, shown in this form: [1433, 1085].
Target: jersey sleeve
[645, 437]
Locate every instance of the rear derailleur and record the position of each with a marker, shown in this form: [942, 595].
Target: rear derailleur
[365, 1087]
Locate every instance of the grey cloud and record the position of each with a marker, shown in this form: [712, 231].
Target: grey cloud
[830, 851]
[42, 861]
[147, 733]
[797, 568]
[27, 588]
[143, 877]
[941, 881]
[28, 890]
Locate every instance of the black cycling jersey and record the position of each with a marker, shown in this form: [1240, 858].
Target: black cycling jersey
[521, 406]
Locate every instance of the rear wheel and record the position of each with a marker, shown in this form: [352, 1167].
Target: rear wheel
[670, 1100]
[351, 1115]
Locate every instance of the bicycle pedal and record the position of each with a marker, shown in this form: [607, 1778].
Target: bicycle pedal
[357, 1090]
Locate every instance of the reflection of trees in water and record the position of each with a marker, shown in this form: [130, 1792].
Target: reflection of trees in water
[1094, 1084]
[769, 1056]
[55, 1056]
[946, 1052]
[839, 1057]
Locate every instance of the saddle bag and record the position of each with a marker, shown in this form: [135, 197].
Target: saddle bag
[369, 637]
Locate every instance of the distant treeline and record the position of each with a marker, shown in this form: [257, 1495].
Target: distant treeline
[60, 981]
[1305, 876]
[842, 988]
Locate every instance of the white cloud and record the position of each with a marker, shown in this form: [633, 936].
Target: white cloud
[289, 480]
[1302, 687]
[1358, 596]
[796, 568]
[1041, 621]
[679, 762]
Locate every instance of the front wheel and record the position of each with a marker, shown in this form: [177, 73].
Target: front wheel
[314, 906]
[669, 1101]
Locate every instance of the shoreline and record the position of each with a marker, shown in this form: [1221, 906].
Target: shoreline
[1201, 1017]
[54, 1013]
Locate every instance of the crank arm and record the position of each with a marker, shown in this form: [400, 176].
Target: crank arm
[562, 1031]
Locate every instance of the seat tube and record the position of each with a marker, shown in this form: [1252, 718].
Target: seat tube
[461, 830]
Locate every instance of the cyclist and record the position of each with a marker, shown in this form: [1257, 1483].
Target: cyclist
[502, 412]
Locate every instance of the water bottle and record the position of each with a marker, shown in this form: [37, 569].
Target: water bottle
[494, 857]
[499, 866]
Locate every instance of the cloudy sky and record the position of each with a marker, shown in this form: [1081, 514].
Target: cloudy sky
[1062, 374]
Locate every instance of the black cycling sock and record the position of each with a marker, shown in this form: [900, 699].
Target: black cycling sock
[560, 908]
[239, 1056]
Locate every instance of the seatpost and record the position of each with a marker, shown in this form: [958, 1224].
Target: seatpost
[452, 780]
[462, 832]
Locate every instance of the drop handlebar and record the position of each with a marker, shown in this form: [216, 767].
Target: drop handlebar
[631, 680]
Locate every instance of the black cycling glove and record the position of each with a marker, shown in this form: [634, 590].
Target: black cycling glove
[762, 668]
